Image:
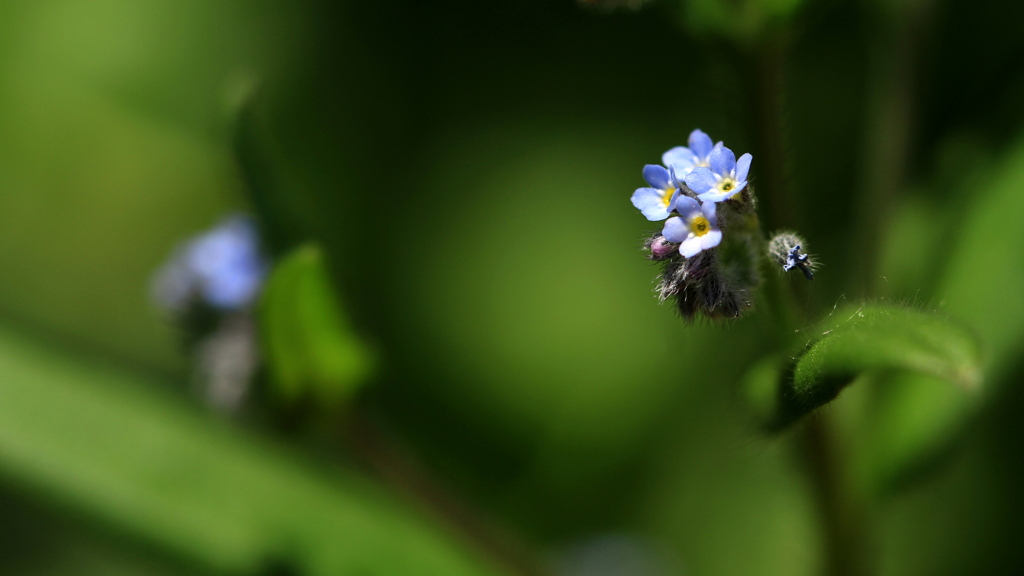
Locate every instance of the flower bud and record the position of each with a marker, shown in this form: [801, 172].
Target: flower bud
[788, 250]
[660, 248]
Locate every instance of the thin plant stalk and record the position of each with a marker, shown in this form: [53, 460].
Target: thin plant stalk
[842, 517]
[889, 134]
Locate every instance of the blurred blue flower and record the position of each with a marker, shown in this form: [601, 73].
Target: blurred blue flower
[222, 267]
[696, 227]
[656, 203]
[683, 160]
[724, 178]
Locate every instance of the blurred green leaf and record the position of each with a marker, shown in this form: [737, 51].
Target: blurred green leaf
[866, 339]
[140, 461]
[910, 424]
[743, 20]
[261, 174]
[310, 349]
[983, 278]
[113, 150]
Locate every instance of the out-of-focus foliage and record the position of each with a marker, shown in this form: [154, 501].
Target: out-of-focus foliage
[979, 277]
[111, 111]
[743, 20]
[141, 460]
[310, 349]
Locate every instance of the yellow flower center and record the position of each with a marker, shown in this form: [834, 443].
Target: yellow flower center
[666, 196]
[727, 185]
[700, 226]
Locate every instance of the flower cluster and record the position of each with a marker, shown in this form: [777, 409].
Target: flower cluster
[210, 285]
[702, 194]
[702, 171]
[711, 246]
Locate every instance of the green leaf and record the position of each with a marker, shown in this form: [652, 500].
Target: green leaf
[910, 424]
[983, 279]
[130, 457]
[260, 170]
[282, 193]
[907, 428]
[856, 341]
[310, 349]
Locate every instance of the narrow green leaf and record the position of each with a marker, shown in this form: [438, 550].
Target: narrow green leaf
[865, 339]
[310, 349]
[130, 456]
[261, 175]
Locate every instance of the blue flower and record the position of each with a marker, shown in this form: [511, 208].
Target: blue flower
[223, 267]
[683, 159]
[696, 227]
[723, 179]
[656, 202]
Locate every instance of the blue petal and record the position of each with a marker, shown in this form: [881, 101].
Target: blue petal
[226, 263]
[657, 176]
[681, 159]
[675, 229]
[743, 167]
[701, 180]
[700, 143]
[234, 290]
[711, 239]
[722, 160]
[708, 208]
[690, 247]
[648, 201]
[686, 207]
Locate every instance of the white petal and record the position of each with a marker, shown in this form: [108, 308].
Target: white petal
[690, 247]
[711, 239]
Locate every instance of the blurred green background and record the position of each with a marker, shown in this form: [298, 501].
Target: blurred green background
[466, 168]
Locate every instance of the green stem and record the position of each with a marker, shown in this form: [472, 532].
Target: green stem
[767, 104]
[842, 516]
[888, 136]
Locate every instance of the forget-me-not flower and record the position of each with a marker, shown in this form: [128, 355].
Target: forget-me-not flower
[656, 202]
[724, 178]
[223, 267]
[683, 160]
[696, 227]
